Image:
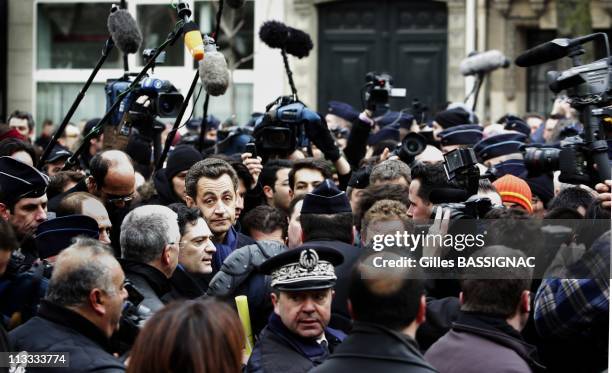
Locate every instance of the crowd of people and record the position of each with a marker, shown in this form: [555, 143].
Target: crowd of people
[125, 267]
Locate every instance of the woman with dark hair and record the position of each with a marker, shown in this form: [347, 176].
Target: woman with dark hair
[196, 336]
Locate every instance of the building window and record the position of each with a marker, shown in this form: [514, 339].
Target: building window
[71, 36]
[237, 31]
[156, 22]
[54, 99]
[222, 108]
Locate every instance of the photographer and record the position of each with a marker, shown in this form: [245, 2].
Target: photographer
[425, 178]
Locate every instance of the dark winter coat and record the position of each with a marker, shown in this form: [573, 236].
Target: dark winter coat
[372, 348]
[482, 343]
[58, 329]
[340, 315]
[280, 350]
[152, 283]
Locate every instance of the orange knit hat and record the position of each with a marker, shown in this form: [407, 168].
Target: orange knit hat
[514, 189]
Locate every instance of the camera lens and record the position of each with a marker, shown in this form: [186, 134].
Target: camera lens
[542, 159]
[413, 145]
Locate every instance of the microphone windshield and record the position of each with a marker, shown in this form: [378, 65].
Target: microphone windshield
[483, 62]
[543, 53]
[124, 31]
[214, 73]
[235, 4]
[274, 34]
[299, 43]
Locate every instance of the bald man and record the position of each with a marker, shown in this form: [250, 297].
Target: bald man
[113, 181]
[82, 203]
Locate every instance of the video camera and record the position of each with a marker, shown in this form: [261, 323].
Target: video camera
[165, 100]
[133, 317]
[281, 130]
[164, 97]
[378, 90]
[581, 159]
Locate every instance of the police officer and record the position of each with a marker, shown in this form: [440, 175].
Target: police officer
[23, 201]
[297, 337]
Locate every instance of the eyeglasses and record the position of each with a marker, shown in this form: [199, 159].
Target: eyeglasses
[115, 199]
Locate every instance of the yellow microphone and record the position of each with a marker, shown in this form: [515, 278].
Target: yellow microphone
[193, 40]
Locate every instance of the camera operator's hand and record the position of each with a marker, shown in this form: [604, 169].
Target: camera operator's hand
[142, 103]
[320, 135]
[438, 228]
[254, 166]
[387, 154]
[604, 196]
[566, 256]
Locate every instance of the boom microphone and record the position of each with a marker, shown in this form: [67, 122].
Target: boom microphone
[274, 34]
[277, 35]
[124, 31]
[550, 51]
[299, 43]
[213, 72]
[235, 4]
[484, 62]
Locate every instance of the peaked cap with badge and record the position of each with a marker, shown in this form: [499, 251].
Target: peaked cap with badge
[19, 180]
[308, 267]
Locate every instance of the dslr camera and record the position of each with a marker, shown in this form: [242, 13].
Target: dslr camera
[463, 175]
[378, 90]
[281, 130]
[582, 159]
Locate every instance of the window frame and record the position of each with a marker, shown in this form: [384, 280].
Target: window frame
[180, 76]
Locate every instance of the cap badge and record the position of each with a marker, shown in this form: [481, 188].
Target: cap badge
[309, 259]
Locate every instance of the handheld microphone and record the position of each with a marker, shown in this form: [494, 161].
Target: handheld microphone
[235, 4]
[483, 62]
[193, 40]
[124, 31]
[193, 36]
[551, 50]
[213, 71]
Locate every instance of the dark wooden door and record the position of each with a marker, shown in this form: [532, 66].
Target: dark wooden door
[405, 38]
